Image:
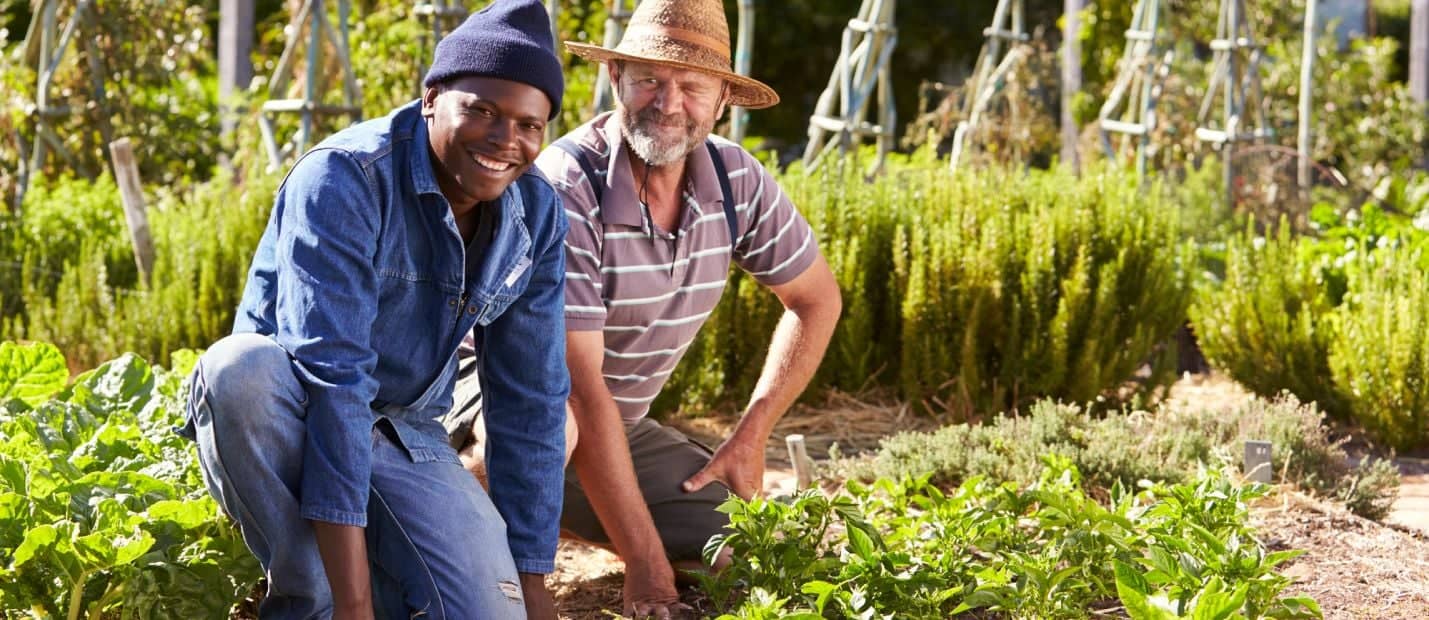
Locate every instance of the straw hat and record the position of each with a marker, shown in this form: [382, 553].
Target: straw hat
[686, 34]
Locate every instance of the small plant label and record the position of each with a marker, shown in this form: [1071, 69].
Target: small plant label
[1257, 461]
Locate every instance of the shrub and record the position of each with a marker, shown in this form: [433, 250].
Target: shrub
[1169, 444]
[60, 218]
[1266, 325]
[204, 241]
[974, 293]
[1380, 356]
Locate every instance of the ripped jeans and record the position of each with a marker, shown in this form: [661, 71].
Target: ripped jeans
[436, 545]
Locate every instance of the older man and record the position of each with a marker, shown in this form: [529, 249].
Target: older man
[658, 210]
[388, 242]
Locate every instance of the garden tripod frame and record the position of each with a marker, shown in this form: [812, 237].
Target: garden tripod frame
[1235, 78]
[1130, 109]
[313, 17]
[1009, 28]
[44, 48]
[839, 119]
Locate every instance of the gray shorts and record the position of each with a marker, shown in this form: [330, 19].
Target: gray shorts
[664, 458]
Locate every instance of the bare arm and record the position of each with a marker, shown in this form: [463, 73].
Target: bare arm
[344, 552]
[812, 305]
[607, 473]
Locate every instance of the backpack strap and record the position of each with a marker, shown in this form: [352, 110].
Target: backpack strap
[574, 150]
[730, 217]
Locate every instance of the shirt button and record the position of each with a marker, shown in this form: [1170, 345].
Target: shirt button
[471, 309]
[451, 302]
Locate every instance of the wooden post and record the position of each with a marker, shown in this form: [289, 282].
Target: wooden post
[1419, 50]
[1071, 81]
[235, 48]
[743, 55]
[126, 174]
[799, 458]
[1307, 111]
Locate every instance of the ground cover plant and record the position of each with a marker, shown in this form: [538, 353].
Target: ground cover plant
[909, 549]
[103, 511]
[1171, 443]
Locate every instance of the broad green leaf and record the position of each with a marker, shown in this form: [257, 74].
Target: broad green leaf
[1296, 607]
[187, 515]
[861, 544]
[821, 589]
[1134, 593]
[108, 549]
[31, 373]
[125, 383]
[37, 539]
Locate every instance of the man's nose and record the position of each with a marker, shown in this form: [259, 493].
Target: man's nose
[669, 99]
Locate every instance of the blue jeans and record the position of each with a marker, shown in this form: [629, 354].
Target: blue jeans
[436, 545]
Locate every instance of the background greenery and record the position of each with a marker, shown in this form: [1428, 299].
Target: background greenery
[969, 294]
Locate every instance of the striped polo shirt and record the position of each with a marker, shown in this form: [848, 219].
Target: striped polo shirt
[650, 290]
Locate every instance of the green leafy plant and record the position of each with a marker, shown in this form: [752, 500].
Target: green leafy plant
[1170, 443]
[1048, 550]
[102, 507]
[970, 294]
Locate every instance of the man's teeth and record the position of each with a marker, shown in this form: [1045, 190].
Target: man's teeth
[499, 166]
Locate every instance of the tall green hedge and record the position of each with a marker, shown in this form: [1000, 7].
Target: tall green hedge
[973, 293]
[88, 299]
[1342, 320]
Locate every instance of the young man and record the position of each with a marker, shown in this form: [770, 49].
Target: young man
[387, 244]
[649, 250]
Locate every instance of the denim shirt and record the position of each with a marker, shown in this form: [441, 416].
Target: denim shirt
[360, 276]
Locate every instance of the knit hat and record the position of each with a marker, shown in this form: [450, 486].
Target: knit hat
[510, 40]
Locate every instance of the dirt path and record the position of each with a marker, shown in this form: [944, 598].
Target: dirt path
[1411, 509]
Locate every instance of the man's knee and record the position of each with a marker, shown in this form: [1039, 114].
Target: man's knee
[246, 374]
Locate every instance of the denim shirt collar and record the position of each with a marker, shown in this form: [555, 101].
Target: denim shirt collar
[422, 178]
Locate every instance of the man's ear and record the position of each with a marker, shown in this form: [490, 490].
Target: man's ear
[612, 69]
[725, 95]
[429, 100]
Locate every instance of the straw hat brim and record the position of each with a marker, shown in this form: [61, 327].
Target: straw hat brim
[744, 92]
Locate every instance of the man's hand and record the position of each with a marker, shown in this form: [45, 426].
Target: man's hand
[738, 463]
[650, 591]
[539, 604]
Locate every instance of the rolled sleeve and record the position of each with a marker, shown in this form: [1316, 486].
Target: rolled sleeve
[326, 302]
[777, 243]
[527, 383]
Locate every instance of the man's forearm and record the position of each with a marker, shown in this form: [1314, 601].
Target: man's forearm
[603, 463]
[344, 553]
[795, 351]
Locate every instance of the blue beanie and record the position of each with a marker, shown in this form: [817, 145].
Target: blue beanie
[510, 40]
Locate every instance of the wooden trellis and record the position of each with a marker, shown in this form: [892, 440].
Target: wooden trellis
[1235, 80]
[45, 48]
[1002, 49]
[1130, 109]
[862, 71]
[312, 18]
[439, 17]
